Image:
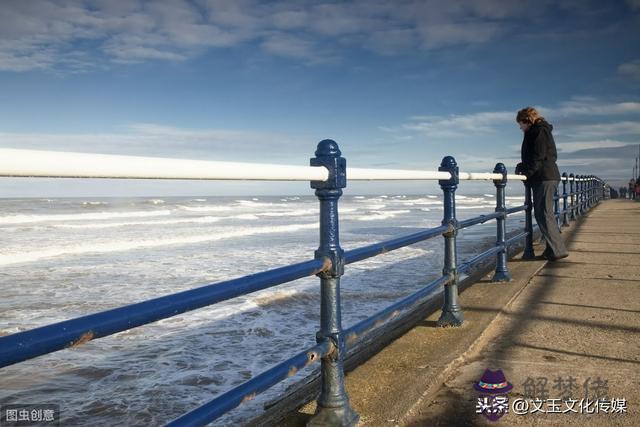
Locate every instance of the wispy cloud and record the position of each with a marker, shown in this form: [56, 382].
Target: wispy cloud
[40, 34]
[145, 138]
[591, 135]
[570, 147]
[454, 126]
[630, 70]
[588, 106]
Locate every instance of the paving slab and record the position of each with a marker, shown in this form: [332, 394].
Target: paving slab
[572, 324]
[572, 334]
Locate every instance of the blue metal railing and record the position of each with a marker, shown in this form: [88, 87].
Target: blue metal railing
[328, 264]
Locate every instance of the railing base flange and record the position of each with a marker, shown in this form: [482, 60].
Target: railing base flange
[501, 276]
[450, 318]
[333, 417]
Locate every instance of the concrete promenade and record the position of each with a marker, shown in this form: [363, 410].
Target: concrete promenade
[561, 329]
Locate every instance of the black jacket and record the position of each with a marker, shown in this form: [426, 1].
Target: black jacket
[539, 154]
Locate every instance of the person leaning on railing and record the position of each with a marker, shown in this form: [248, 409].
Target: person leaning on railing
[539, 157]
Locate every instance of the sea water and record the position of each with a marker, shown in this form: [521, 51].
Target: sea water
[64, 258]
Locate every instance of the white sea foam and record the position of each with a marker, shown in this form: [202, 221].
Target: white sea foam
[121, 246]
[198, 220]
[376, 207]
[89, 204]
[465, 200]
[245, 216]
[253, 203]
[299, 212]
[155, 201]
[422, 201]
[381, 215]
[25, 219]
[206, 208]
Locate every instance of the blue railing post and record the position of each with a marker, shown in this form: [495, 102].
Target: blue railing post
[333, 407]
[451, 311]
[572, 193]
[583, 205]
[587, 193]
[565, 196]
[528, 223]
[578, 196]
[502, 273]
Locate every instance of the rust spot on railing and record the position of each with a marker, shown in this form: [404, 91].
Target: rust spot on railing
[312, 356]
[351, 338]
[292, 371]
[249, 397]
[326, 266]
[84, 338]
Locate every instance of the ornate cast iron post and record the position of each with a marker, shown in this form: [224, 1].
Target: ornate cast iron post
[333, 408]
[451, 311]
[502, 273]
[572, 184]
[583, 205]
[579, 195]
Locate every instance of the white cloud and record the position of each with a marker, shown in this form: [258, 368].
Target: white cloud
[459, 125]
[604, 130]
[143, 138]
[569, 147]
[39, 34]
[630, 70]
[585, 106]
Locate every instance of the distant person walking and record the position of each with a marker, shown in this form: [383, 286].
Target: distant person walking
[623, 192]
[539, 157]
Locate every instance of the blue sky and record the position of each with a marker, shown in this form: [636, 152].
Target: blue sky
[399, 84]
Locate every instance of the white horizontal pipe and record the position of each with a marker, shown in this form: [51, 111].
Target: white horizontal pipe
[359, 174]
[33, 163]
[511, 177]
[57, 164]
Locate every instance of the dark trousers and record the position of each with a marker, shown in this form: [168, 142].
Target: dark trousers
[545, 217]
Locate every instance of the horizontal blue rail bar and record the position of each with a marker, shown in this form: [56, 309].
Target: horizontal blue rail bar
[515, 238]
[69, 333]
[220, 405]
[515, 209]
[361, 329]
[467, 265]
[479, 219]
[365, 252]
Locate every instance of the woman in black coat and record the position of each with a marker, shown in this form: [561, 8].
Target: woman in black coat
[539, 157]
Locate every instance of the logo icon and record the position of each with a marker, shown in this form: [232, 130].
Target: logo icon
[493, 401]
